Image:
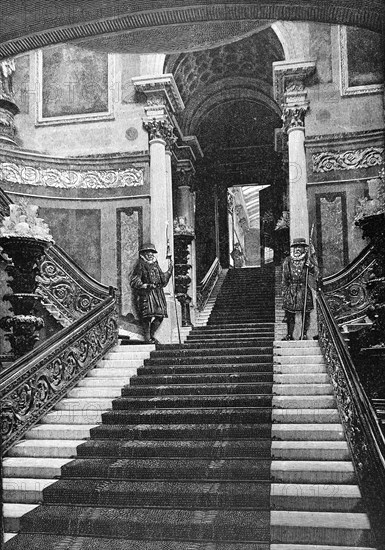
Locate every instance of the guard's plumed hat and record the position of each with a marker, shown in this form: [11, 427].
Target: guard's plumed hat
[300, 241]
[148, 247]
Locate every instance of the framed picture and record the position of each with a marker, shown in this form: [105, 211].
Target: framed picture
[361, 61]
[74, 85]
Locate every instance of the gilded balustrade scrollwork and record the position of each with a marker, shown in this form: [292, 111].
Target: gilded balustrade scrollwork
[365, 439]
[31, 386]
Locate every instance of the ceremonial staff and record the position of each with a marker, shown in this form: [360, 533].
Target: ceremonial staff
[168, 255]
[306, 283]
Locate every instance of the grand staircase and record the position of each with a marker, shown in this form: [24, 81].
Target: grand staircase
[227, 442]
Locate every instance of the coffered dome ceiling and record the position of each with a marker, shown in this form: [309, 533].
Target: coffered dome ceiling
[227, 92]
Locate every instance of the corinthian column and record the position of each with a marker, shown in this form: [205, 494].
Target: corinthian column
[8, 107]
[163, 101]
[290, 91]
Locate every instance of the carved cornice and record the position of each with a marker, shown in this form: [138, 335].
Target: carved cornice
[70, 179]
[290, 79]
[40, 379]
[328, 161]
[160, 91]
[345, 140]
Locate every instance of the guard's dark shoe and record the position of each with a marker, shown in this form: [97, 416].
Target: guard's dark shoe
[287, 338]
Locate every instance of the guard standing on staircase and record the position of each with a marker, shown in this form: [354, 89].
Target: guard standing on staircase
[148, 281]
[295, 289]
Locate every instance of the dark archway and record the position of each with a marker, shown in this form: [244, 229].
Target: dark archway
[28, 25]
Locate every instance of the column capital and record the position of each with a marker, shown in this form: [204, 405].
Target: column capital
[293, 117]
[160, 129]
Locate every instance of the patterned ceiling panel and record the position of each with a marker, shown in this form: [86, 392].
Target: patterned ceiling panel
[251, 57]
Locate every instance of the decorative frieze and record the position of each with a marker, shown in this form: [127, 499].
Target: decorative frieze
[328, 161]
[71, 179]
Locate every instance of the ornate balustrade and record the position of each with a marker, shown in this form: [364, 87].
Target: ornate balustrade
[346, 292]
[31, 386]
[67, 292]
[361, 426]
[207, 284]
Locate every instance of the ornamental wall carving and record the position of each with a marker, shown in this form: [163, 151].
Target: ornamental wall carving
[328, 161]
[71, 179]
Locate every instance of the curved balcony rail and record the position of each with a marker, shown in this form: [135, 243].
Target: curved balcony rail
[207, 284]
[359, 419]
[32, 385]
[346, 292]
[67, 292]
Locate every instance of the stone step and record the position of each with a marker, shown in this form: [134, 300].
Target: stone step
[61, 431]
[283, 352]
[129, 348]
[233, 368]
[316, 497]
[308, 432]
[308, 402]
[300, 370]
[232, 376]
[202, 346]
[197, 361]
[189, 448]
[297, 359]
[124, 373]
[119, 361]
[305, 416]
[25, 490]
[219, 338]
[206, 353]
[310, 450]
[178, 469]
[95, 392]
[12, 513]
[192, 401]
[316, 547]
[85, 404]
[90, 417]
[126, 355]
[313, 471]
[49, 448]
[42, 468]
[209, 389]
[237, 415]
[99, 382]
[305, 378]
[302, 389]
[325, 528]
[283, 344]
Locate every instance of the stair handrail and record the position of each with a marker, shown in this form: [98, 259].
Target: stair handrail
[67, 292]
[359, 419]
[207, 284]
[346, 291]
[31, 386]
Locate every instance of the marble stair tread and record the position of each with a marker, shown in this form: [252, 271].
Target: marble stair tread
[347, 529]
[299, 359]
[317, 547]
[310, 450]
[192, 401]
[310, 416]
[129, 348]
[310, 402]
[193, 389]
[9, 536]
[303, 378]
[302, 370]
[308, 432]
[209, 448]
[126, 355]
[54, 448]
[302, 389]
[12, 512]
[315, 490]
[98, 392]
[90, 416]
[316, 497]
[25, 490]
[83, 404]
[33, 467]
[119, 362]
[63, 431]
[113, 373]
[313, 471]
[308, 350]
[93, 382]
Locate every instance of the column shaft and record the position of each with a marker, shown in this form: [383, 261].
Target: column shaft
[299, 215]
